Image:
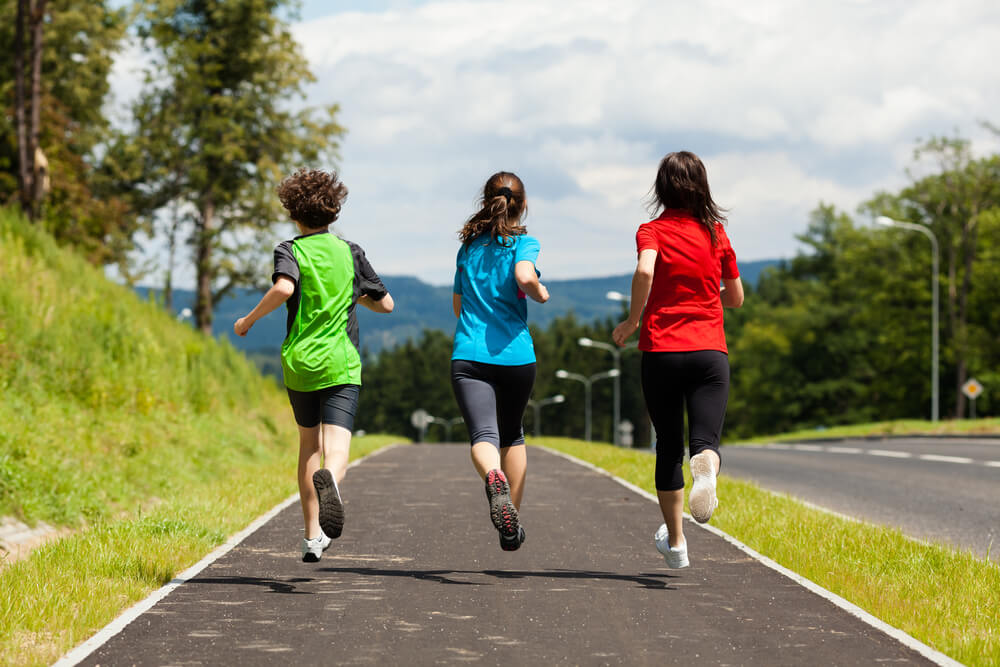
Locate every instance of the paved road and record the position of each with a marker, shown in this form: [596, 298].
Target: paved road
[418, 578]
[934, 489]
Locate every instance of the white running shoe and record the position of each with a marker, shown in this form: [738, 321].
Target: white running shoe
[703, 500]
[312, 550]
[676, 557]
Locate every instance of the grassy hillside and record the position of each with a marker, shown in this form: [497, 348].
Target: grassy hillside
[149, 442]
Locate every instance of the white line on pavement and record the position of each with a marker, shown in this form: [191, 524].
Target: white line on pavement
[890, 453]
[993, 464]
[851, 608]
[946, 459]
[844, 450]
[809, 448]
[81, 651]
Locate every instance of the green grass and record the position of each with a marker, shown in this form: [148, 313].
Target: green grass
[947, 599]
[988, 426]
[67, 590]
[147, 441]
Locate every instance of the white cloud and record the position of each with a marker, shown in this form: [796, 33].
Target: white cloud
[789, 103]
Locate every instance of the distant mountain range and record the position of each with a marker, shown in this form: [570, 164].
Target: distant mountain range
[422, 306]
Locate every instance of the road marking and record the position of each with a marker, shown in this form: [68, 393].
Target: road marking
[887, 453]
[946, 459]
[890, 453]
[907, 640]
[83, 650]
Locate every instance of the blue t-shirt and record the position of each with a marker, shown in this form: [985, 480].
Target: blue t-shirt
[493, 327]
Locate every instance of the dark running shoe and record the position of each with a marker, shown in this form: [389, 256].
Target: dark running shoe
[502, 510]
[331, 508]
[514, 544]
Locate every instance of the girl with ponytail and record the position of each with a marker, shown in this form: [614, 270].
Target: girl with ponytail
[493, 359]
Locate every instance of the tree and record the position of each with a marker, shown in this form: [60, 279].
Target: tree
[71, 67]
[30, 14]
[951, 201]
[217, 130]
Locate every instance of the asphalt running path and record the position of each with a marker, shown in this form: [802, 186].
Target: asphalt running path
[418, 578]
[941, 490]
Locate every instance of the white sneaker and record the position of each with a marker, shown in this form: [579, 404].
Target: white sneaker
[676, 557]
[312, 550]
[703, 500]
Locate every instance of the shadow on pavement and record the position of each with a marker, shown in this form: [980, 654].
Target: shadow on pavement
[651, 581]
[275, 586]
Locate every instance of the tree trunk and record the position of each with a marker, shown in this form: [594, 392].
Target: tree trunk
[969, 256]
[25, 158]
[203, 305]
[37, 32]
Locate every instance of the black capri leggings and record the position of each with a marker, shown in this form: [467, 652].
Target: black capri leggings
[492, 399]
[671, 379]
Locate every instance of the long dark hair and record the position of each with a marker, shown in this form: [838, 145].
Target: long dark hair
[682, 183]
[501, 210]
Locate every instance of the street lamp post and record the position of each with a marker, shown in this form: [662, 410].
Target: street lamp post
[538, 405]
[587, 382]
[935, 271]
[617, 354]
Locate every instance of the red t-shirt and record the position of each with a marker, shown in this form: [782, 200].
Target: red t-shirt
[684, 309]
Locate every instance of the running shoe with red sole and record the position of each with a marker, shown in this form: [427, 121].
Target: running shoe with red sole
[502, 510]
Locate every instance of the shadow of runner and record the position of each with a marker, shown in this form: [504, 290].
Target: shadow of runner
[648, 581]
[275, 586]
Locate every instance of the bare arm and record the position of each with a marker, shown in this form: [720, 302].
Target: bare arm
[383, 305]
[456, 304]
[642, 281]
[527, 280]
[732, 292]
[279, 293]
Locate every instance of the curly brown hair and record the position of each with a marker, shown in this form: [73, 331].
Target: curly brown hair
[502, 207]
[312, 197]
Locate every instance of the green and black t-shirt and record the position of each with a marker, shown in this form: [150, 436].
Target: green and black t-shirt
[330, 275]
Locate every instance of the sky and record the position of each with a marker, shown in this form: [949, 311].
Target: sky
[788, 103]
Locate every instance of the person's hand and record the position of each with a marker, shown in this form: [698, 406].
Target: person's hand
[242, 326]
[543, 292]
[623, 331]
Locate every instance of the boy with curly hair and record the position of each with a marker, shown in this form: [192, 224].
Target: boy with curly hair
[321, 278]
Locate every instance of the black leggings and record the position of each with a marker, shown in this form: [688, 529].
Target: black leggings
[671, 379]
[492, 399]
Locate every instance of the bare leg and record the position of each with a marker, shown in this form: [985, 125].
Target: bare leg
[310, 458]
[336, 450]
[485, 457]
[514, 462]
[672, 507]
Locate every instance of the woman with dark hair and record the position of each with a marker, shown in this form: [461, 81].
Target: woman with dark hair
[683, 255]
[493, 359]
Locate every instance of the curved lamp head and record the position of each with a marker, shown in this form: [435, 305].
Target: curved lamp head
[614, 372]
[558, 398]
[616, 296]
[585, 342]
[885, 220]
[562, 374]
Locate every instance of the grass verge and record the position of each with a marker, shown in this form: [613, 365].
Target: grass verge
[67, 590]
[947, 599]
[957, 427]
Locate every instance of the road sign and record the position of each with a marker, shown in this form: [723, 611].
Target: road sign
[972, 389]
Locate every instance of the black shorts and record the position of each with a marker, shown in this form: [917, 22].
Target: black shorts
[492, 399]
[331, 405]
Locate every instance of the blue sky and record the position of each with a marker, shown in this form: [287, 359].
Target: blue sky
[788, 103]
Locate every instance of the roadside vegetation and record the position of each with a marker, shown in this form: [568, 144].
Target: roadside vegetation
[949, 600]
[148, 441]
[957, 427]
